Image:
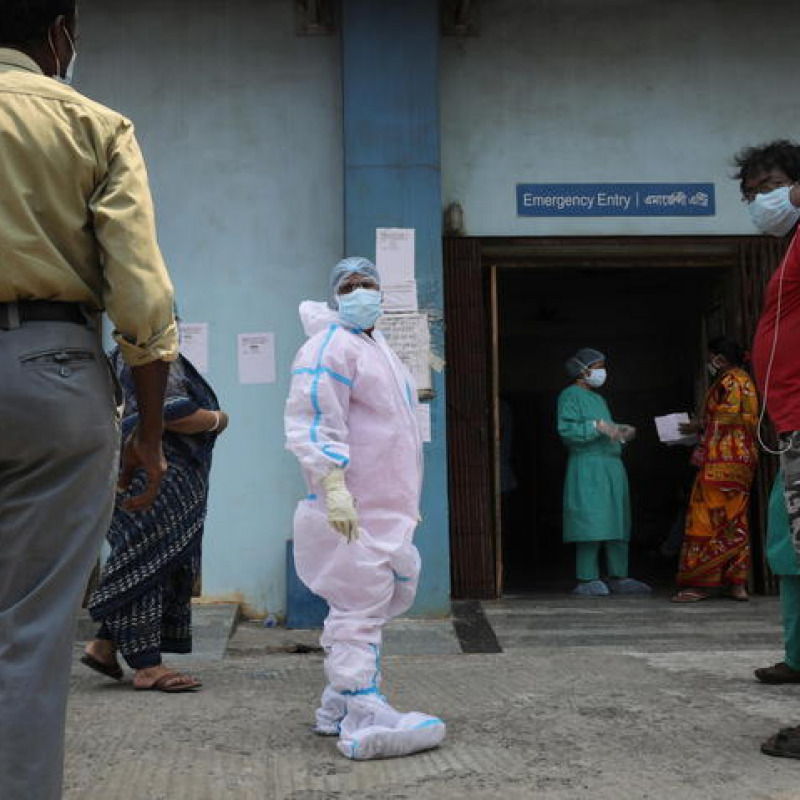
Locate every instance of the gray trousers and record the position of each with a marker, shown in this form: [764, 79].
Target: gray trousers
[790, 466]
[59, 441]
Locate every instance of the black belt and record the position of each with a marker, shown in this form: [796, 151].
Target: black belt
[12, 315]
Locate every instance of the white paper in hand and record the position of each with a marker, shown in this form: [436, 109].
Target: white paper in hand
[669, 432]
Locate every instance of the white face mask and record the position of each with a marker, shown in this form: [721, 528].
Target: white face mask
[361, 308]
[69, 72]
[596, 378]
[773, 212]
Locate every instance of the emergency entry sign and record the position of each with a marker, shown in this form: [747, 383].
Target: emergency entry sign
[615, 200]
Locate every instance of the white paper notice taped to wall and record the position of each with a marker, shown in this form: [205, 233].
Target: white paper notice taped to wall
[409, 336]
[424, 420]
[194, 344]
[394, 258]
[394, 255]
[256, 357]
[400, 296]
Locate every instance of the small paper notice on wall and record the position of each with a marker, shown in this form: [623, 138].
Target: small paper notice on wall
[394, 258]
[256, 358]
[194, 344]
[424, 420]
[409, 336]
[394, 255]
[400, 297]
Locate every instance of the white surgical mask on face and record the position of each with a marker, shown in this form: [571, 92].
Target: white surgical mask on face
[596, 378]
[361, 308]
[773, 212]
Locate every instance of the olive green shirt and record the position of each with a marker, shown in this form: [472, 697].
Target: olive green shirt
[76, 216]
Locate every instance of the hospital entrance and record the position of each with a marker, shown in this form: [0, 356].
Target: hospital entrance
[649, 304]
[650, 323]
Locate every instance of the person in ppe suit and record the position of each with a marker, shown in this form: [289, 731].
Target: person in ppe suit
[351, 421]
[596, 500]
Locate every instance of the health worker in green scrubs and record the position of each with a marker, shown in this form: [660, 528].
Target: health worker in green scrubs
[596, 501]
[783, 562]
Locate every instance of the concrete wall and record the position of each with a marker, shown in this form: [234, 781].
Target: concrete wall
[585, 91]
[240, 122]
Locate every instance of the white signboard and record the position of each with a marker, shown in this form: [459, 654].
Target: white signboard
[194, 344]
[409, 336]
[256, 358]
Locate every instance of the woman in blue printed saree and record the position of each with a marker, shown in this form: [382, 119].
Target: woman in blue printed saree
[143, 600]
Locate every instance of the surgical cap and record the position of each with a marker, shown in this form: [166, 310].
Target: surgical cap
[347, 266]
[582, 360]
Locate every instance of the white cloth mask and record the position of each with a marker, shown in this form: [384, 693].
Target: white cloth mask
[69, 72]
[596, 378]
[773, 212]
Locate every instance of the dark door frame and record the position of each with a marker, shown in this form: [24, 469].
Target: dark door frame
[476, 556]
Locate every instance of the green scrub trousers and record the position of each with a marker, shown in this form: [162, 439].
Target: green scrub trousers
[783, 562]
[588, 560]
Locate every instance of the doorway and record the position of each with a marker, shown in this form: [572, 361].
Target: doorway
[651, 324]
[516, 309]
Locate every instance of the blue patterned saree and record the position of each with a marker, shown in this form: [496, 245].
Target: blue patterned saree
[143, 600]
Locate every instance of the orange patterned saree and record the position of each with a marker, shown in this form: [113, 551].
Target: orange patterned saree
[716, 547]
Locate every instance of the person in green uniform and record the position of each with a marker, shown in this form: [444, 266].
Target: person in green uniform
[596, 500]
[783, 563]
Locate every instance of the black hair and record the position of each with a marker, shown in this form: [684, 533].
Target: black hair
[25, 22]
[723, 346]
[781, 154]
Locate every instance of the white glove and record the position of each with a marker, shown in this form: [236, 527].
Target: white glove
[626, 433]
[607, 429]
[341, 508]
[617, 433]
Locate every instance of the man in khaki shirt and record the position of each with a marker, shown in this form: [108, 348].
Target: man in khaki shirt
[77, 235]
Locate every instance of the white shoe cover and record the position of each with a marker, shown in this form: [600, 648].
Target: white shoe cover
[331, 712]
[373, 729]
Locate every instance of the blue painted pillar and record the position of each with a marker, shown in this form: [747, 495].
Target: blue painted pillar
[390, 78]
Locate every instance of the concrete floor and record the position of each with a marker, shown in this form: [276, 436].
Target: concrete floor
[612, 698]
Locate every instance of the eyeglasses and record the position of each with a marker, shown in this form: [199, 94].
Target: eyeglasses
[348, 287]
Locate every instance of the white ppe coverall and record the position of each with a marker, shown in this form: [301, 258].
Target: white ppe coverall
[352, 405]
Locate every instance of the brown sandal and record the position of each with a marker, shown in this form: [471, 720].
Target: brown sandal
[109, 670]
[172, 683]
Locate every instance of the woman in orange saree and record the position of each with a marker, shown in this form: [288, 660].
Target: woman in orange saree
[715, 557]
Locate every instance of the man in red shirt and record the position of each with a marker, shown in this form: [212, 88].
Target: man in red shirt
[769, 177]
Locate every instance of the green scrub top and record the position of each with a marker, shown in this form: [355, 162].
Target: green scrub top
[596, 498]
[781, 556]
